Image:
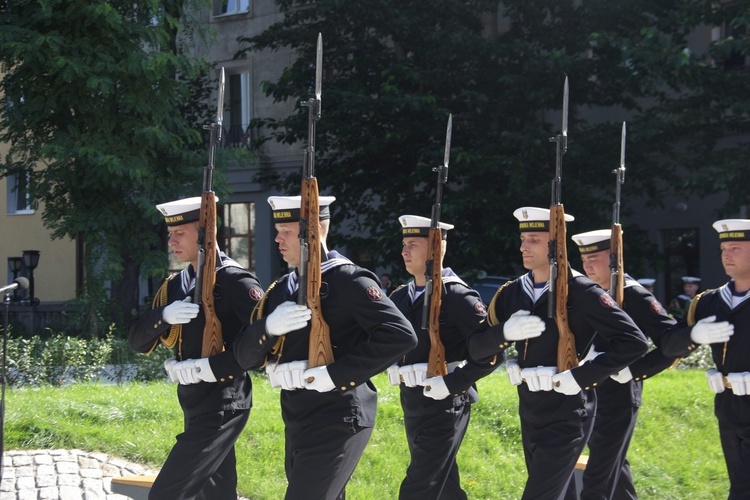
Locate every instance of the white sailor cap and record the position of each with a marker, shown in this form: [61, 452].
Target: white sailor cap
[287, 208]
[647, 281]
[733, 229]
[182, 211]
[593, 241]
[690, 279]
[414, 225]
[533, 219]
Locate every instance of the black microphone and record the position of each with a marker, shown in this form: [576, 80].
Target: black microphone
[19, 283]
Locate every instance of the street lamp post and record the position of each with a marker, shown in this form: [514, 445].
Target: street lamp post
[31, 260]
[15, 263]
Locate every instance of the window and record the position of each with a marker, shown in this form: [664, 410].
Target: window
[237, 116]
[19, 202]
[238, 233]
[230, 7]
[728, 39]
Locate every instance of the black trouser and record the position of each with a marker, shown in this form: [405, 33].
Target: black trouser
[202, 464]
[320, 459]
[607, 475]
[735, 442]
[551, 451]
[434, 440]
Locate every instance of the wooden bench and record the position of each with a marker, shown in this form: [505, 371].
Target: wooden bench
[583, 460]
[135, 487]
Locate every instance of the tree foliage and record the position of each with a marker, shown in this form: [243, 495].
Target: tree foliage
[394, 70]
[98, 110]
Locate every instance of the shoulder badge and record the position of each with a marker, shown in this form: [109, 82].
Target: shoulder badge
[605, 300]
[255, 293]
[374, 293]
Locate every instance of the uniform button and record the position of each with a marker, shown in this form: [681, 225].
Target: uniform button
[596, 383]
[222, 379]
[644, 376]
[260, 341]
[156, 325]
[231, 377]
[587, 388]
[263, 338]
[343, 387]
[352, 383]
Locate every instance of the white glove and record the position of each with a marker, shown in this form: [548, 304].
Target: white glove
[565, 383]
[523, 325]
[193, 371]
[287, 317]
[715, 381]
[707, 331]
[393, 377]
[180, 312]
[590, 355]
[514, 372]
[623, 376]
[204, 372]
[169, 366]
[318, 379]
[739, 382]
[539, 378]
[435, 388]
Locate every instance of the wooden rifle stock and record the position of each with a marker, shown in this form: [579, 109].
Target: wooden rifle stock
[213, 340]
[436, 365]
[320, 350]
[617, 283]
[567, 357]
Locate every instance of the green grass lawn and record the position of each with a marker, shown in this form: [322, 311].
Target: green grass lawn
[675, 453]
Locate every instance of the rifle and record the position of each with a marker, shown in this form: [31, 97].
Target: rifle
[205, 274]
[616, 271]
[310, 275]
[558, 253]
[433, 289]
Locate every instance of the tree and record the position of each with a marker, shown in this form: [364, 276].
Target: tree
[393, 70]
[95, 97]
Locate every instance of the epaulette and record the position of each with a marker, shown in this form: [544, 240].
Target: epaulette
[258, 312]
[491, 316]
[396, 289]
[693, 305]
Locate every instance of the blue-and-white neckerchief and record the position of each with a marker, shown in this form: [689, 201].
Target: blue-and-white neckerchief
[334, 260]
[534, 293]
[730, 298]
[187, 275]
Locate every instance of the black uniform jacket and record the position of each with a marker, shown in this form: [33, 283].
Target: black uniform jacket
[236, 293]
[368, 334]
[729, 357]
[653, 320]
[461, 312]
[590, 311]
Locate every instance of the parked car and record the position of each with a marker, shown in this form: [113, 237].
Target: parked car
[488, 285]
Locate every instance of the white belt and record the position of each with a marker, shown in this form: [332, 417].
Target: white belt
[414, 375]
[737, 382]
[287, 376]
[538, 378]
